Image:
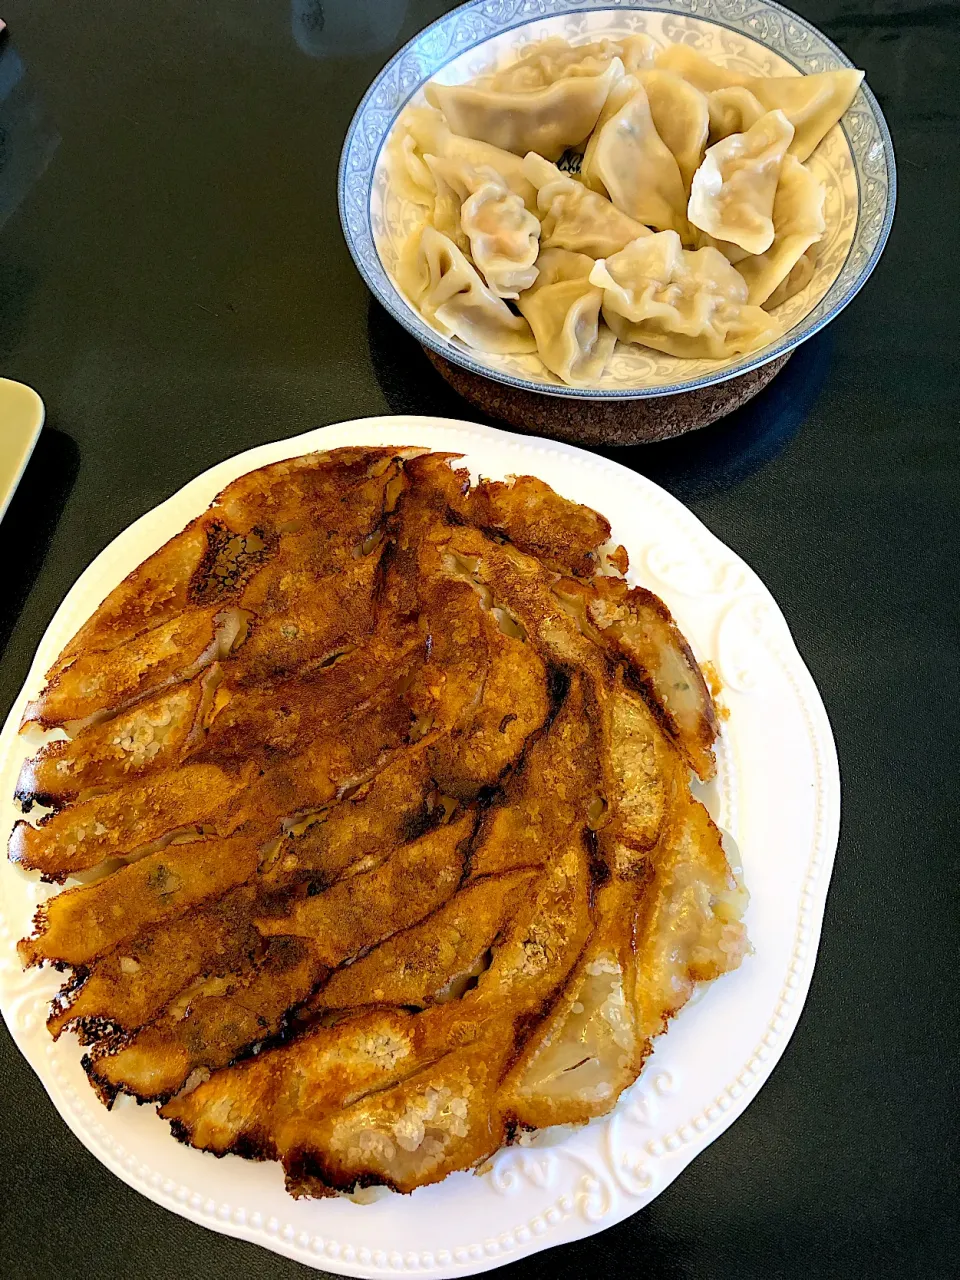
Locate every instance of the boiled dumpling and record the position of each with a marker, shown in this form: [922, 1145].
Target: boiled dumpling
[734, 189]
[487, 221]
[695, 68]
[618, 97]
[432, 136]
[813, 104]
[732, 110]
[801, 275]
[546, 120]
[681, 117]
[563, 309]
[409, 175]
[637, 52]
[550, 60]
[797, 224]
[637, 169]
[451, 188]
[447, 290]
[688, 304]
[575, 218]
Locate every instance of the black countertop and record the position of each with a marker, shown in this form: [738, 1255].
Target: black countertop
[177, 289]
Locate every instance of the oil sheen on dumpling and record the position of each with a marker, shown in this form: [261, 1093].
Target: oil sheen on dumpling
[681, 116]
[545, 120]
[813, 104]
[563, 309]
[798, 223]
[637, 169]
[734, 189]
[732, 110]
[696, 69]
[476, 209]
[688, 304]
[575, 218]
[443, 285]
[432, 136]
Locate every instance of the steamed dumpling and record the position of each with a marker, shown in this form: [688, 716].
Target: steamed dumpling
[688, 304]
[637, 169]
[813, 104]
[486, 220]
[546, 120]
[798, 223]
[732, 110]
[504, 238]
[801, 275]
[734, 189]
[432, 136]
[409, 174]
[618, 97]
[695, 68]
[550, 60]
[563, 309]
[447, 290]
[681, 117]
[575, 218]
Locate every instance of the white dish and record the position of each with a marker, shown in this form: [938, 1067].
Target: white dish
[21, 420]
[777, 794]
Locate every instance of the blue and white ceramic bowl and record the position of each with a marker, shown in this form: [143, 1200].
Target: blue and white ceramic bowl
[756, 37]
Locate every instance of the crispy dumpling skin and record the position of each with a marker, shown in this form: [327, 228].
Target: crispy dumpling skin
[207, 1028]
[129, 985]
[389, 893]
[119, 823]
[76, 926]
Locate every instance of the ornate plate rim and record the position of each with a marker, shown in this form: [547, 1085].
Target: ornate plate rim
[388, 296]
[345, 1257]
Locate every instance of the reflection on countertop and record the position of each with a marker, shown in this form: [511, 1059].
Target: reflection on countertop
[693, 466]
[345, 30]
[28, 138]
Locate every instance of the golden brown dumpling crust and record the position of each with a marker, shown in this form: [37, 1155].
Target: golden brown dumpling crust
[378, 786]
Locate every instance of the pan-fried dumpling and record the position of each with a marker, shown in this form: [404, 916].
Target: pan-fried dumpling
[696, 69]
[681, 118]
[637, 169]
[447, 290]
[563, 309]
[432, 136]
[801, 275]
[689, 304]
[732, 110]
[813, 104]
[574, 217]
[797, 224]
[488, 222]
[734, 189]
[546, 120]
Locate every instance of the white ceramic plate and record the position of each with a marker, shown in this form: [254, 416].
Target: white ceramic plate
[777, 794]
[754, 37]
